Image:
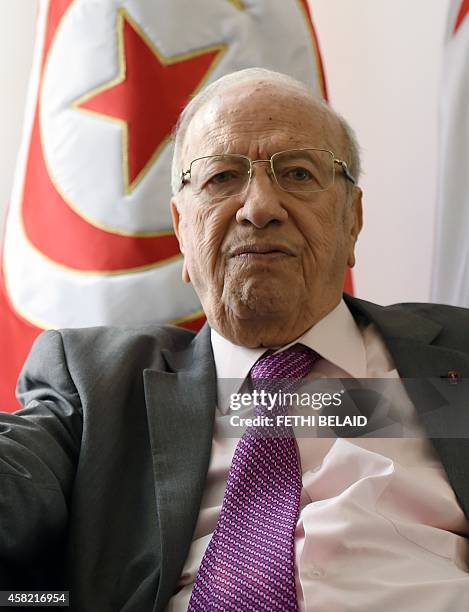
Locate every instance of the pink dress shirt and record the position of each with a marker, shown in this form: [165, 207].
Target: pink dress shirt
[380, 528]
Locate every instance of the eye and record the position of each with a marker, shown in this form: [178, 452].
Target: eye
[298, 174]
[223, 177]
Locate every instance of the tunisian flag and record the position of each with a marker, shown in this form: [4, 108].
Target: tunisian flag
[451, 266]
[88, 238]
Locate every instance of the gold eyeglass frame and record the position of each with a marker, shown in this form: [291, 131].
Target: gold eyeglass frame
[340, 162]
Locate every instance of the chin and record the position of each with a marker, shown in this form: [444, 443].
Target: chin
[251, 303]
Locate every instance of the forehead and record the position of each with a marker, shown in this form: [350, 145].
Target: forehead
[259, 119]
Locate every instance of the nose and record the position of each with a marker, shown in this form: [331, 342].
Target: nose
[262, 199]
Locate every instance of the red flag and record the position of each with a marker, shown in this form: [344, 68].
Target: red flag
[463, 11]
[88, 237]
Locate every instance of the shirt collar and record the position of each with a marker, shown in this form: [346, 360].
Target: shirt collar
[232, 360]
[338, 339]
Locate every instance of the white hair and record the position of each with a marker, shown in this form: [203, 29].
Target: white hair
[233, 79]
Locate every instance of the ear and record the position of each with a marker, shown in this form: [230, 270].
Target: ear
[354, 223]
[176, 217]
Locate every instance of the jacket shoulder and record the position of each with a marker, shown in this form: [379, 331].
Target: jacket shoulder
[111, 338]
[443, 314]
[440, 314]
[91, 356]
[438, 323]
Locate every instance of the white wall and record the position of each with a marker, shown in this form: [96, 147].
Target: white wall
[383, 62]
[17, 26]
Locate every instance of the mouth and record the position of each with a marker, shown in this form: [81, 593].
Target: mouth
[261, 251]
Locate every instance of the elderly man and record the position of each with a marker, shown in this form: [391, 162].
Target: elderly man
[118, 479]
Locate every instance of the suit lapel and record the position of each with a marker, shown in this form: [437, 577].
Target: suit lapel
[412, 341]
[180, 407]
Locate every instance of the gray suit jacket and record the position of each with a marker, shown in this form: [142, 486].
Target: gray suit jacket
[102, 473]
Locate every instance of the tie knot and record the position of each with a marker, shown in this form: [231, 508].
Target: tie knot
[280, 373]
[293, 363]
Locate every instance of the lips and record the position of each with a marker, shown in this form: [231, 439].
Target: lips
[261, 249]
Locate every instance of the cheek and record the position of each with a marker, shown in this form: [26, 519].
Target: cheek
[323, 239]
[320, 232]
[204, 231]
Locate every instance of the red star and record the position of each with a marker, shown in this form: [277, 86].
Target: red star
[462, 13]
[148, 95]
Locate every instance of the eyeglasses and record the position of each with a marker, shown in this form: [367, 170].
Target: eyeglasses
[300, 171]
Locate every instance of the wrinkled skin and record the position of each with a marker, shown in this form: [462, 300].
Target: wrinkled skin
[266, 298]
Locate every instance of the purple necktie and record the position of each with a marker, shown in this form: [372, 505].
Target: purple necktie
[249, 564]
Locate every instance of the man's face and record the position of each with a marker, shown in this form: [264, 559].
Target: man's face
[269, 264]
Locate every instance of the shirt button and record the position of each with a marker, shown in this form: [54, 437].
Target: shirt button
[316, 572]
